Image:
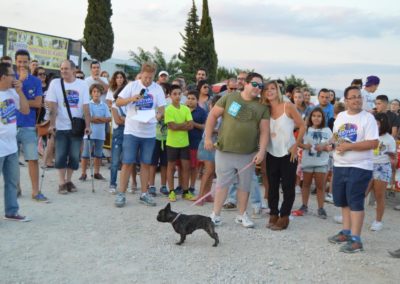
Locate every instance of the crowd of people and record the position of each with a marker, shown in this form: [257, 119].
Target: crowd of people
[346, 148]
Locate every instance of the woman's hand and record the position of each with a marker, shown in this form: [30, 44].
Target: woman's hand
[293, 153]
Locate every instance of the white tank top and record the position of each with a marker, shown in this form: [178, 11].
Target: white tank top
[281, 135]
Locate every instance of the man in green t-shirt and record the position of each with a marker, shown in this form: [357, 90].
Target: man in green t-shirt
[179, 120]
[242, 142]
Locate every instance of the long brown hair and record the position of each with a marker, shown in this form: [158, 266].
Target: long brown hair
[263, 99]
[113, 81]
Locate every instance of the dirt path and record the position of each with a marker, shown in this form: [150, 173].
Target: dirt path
[83, 238]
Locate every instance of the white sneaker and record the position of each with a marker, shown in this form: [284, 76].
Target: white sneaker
[338, 219]
[244, 220]
[397, 207]
[329, 198]
[112, 189]
[298, 189]
[376, 226]
[217, 220]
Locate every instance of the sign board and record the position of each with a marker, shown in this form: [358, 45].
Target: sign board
[49, 51]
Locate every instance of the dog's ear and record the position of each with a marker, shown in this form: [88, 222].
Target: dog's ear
[168, 207]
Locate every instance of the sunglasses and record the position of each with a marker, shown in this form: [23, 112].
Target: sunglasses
[255, 85]
[80, 77]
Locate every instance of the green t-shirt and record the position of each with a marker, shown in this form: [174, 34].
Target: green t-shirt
[240, 129]
[177, 138]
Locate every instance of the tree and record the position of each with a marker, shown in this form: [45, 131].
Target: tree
[298, 82]
[172, 66]
[207, 54]
[190, 49]
[98, 33]
[225, 73]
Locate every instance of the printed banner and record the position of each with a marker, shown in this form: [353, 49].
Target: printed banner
[49, 51]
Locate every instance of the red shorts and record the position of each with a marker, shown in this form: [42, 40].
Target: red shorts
[194, 163]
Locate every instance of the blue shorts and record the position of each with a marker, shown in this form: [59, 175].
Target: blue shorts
[27, 139]
[349, 186]
[67, 150]
[134, 146]
[383, 172]
[96, 145]
[316, 169]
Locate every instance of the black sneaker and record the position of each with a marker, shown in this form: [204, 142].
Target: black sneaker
[304, 209]
[352, 246]
[178, 190]
[17, 217]
[322, 213]
[191, 190]
[339, 238]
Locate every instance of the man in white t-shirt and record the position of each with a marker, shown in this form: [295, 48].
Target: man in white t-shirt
[142, 98]
[95, 78]
[67, 146]
[11, 100]
[355, 132]
[367, 93]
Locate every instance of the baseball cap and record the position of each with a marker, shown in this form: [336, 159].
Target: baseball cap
[163, 73]
[372, 80]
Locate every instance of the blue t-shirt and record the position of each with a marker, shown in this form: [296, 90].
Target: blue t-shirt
[32, 88]
[199, 116]
[328, 110]
[98, 129]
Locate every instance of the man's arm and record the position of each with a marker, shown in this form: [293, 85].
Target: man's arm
[214, 114]
[263, 141]
[188, 125]
[358, 146]
[23, 102]
[52, 115]
[86, 113]
[36, 103]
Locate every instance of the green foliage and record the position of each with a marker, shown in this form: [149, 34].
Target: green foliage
[190, 49]
[297, 82]
[225, 73]
[173, 66]
[98, 33]
[207, 55]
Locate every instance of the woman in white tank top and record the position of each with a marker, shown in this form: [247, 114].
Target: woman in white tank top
[281, 159]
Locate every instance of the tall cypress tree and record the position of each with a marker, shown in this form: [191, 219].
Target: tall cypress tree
[207, 54]
[190, 50]
[98, 33]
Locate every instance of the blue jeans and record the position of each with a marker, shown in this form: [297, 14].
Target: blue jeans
[95, 146]
[10, 168]
[116, 153]
[28, 141]
[67, 150]
[255, 194]
[134, 146]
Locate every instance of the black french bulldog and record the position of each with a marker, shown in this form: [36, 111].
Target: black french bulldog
[187, 224]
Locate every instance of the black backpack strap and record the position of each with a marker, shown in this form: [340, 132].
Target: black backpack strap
[65, 99]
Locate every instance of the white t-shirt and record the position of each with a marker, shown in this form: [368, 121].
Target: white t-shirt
[355, 128]
[110, 95]
[153, 98]
[316, 136]
[387, 145]
[368, 100]
[9, 104]
[77, 95]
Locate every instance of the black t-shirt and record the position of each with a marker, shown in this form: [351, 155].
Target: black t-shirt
[394, 120]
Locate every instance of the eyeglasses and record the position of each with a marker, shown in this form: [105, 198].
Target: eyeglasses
[255, 85]
[355, 98]
[41, 74]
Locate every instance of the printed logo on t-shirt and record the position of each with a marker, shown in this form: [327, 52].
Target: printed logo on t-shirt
[8, 113]
[318, 137]
[234, 109]
[347, 132]
[381, 149]
[73, 98]
[146, 103]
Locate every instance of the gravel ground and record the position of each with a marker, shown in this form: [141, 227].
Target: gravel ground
[83, 238]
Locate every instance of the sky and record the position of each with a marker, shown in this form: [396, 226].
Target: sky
[326, 42]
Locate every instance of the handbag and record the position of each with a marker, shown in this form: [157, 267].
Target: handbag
[42, 128]
[78, 124]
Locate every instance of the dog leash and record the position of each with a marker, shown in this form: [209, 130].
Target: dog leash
[211, 191]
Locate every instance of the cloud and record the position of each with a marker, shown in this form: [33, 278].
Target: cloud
[303, 21]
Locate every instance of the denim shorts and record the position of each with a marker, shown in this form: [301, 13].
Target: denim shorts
[349, 186]
[134, 146]
[96, 145]
[205, 155]
[316, 169]
[383, 172]
[67, 151]
[27, 139]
